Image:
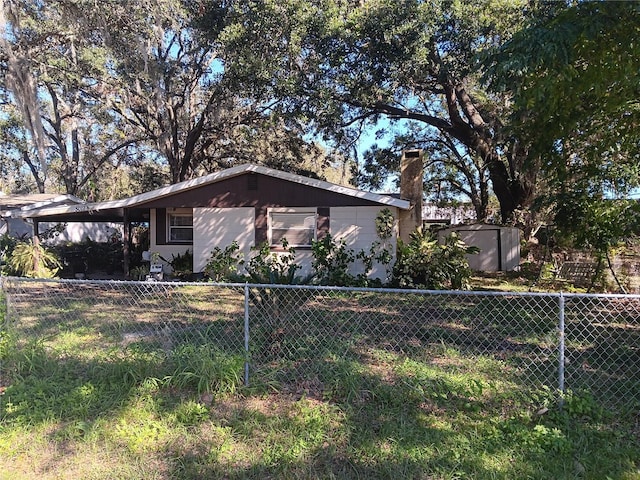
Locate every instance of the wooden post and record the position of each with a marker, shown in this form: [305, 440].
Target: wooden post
[36, 245]
[126, 237]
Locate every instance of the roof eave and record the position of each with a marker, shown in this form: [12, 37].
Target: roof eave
[213, 178]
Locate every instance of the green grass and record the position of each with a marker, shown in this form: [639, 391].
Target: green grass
[384, 417]
[358, 390]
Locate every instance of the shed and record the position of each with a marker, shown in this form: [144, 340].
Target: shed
[499, 246]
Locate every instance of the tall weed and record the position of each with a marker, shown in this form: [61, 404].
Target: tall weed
[205, 369]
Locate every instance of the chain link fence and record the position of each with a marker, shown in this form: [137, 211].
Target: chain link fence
[315, 339]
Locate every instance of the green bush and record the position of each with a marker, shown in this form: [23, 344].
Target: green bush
[278, 268]
[331, 262]
[30, 259]
[223, 264]
[89, 256]
[182, 264]
[7, 244]
[423, 263]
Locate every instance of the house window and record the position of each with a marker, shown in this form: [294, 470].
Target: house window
[298, 226]
[180, 226]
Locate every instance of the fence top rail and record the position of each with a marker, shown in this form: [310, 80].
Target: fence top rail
[485, 293]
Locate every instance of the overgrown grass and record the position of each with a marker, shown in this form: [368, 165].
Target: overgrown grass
[382, 417]
[80, 400]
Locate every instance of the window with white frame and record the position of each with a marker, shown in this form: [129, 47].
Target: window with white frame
[298, 226]
[180, 227]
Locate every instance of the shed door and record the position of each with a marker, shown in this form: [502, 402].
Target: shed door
[488, 241]
[219, 227]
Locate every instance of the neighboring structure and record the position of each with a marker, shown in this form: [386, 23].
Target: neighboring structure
[14, 210]
[434, 215]
[248, 204]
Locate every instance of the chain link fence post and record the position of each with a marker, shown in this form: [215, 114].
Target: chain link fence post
[561, 347]
[246, 334]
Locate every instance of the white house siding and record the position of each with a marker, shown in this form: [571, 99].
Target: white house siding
[304, 259]
[219, 227]
[357, 227]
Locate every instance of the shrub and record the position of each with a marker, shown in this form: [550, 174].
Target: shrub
[7, 244]
[331, 262]
[423, 263]
[270, 267]
[89, 256]
[223, 264]
[182, 264]
[30, 259]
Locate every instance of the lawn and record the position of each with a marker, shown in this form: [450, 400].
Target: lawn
[93, 395]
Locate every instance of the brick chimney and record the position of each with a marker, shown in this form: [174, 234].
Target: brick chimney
[411, 189]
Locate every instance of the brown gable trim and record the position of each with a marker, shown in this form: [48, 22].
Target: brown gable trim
[180, 194]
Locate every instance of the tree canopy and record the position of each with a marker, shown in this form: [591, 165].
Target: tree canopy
[517, 99]
[574, 80]
[344, 65]
[95, 98]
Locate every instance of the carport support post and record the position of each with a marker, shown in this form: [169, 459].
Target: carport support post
[126, 234]
[36, 245]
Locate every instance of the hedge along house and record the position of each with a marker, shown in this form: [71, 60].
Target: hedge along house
[248, 204]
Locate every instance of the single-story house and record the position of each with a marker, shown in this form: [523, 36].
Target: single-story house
[248, 204]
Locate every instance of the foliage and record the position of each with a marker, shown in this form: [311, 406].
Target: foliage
[56, 72]
[88, 255]
[385, 224]
[575, 74]
[32, 260]
[594, 223]
[332, 261]
[140, 272]
[182, 264]
[99, 102]
[573, 78]
[223, 264]
[7, 244]
[274, 267]
[423, 263]
[205, 369]
[409, 61]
